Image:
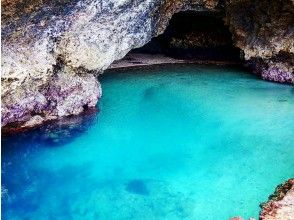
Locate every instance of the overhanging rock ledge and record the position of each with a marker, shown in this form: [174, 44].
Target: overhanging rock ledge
[52, 50]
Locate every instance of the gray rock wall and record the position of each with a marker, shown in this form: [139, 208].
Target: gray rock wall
[52, 50]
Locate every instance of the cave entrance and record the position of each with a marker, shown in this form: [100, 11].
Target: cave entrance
[192, 35]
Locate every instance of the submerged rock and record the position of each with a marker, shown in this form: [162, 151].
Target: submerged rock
[240, 218]
[53, 133]
[137, 187]
[236, 218]
[52, 50]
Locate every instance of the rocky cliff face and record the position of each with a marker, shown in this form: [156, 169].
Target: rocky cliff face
[52, 50]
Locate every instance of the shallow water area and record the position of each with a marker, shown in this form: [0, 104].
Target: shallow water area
[169, 142]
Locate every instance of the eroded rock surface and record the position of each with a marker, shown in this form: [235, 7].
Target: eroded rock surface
[52, 50]
[281, 204]
[264, 30]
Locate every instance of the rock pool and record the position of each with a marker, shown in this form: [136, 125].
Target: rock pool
[179, 142]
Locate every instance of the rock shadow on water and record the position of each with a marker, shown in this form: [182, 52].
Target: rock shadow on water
[137, 187]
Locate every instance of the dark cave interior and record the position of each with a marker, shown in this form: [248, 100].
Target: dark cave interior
[194, 35]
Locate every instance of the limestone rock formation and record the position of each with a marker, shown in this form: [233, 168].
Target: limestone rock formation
[264, 30]
[52, 50]
[281, 204]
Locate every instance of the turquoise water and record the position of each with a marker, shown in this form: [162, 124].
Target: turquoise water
[179, 142]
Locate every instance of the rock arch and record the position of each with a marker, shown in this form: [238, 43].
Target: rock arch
[52, 50]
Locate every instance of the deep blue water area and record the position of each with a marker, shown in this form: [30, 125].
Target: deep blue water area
[168, 143]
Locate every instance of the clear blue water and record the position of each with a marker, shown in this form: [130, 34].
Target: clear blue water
[179, 142]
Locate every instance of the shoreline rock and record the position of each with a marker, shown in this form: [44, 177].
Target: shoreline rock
[280, 205]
